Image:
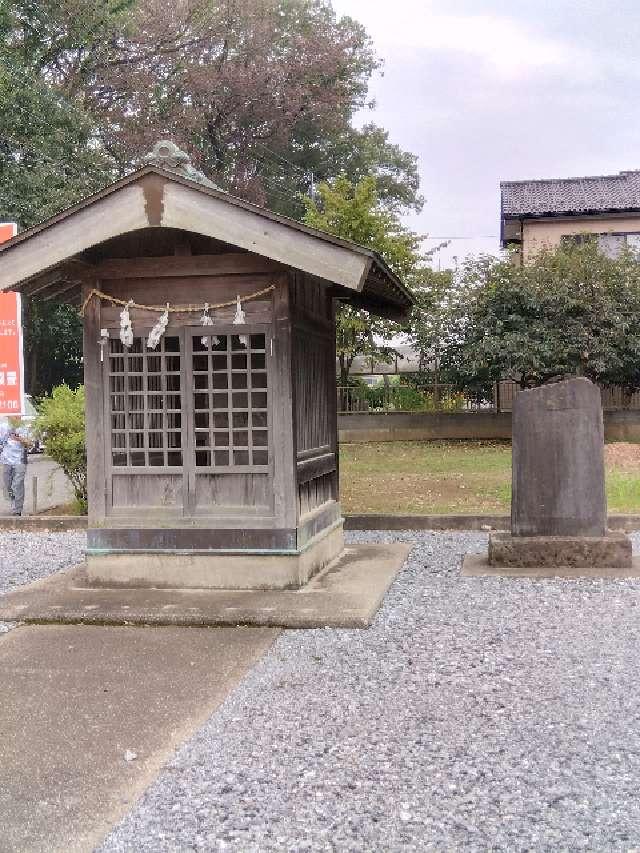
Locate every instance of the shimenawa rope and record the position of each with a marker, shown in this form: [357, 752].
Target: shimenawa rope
[176, 309]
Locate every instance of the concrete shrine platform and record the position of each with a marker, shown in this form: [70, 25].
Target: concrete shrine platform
[346, 594]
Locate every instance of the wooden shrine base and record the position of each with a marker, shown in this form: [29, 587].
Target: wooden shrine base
[191, 569]
[346, 594]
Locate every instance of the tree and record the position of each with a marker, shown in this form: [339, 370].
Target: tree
[428, 327]
[354, 212]
[348, 152]
[224, 78]
[61, 425]
[569, 311]
[48, 160]
[431, 317]
[261, 92]
[52, 346]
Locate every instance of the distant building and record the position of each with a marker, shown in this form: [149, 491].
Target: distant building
[403, 359]
[544, 212]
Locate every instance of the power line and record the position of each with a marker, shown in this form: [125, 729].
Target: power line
[474, 237]
[270, 168]
[319, 166]
[307, 177]
[284, 159]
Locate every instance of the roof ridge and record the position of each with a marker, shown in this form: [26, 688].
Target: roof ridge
[618, 176]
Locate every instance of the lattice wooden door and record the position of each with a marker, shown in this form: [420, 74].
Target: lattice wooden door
[189, 423]
[229, 444]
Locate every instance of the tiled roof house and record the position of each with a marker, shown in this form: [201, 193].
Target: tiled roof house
[543, 212]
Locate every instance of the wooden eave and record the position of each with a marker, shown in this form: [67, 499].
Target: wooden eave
[45, 259]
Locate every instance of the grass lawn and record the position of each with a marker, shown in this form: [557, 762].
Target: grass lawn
[457, 477]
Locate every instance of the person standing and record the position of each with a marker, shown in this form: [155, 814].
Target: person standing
[15, 442]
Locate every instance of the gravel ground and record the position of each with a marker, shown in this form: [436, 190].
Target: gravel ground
[27, 557]
[476, 714]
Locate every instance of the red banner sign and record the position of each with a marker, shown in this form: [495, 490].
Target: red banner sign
[11, 363]
[7, 231]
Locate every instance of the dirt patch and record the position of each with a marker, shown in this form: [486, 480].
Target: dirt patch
[623, 456]
[419, 493]
[61, 509]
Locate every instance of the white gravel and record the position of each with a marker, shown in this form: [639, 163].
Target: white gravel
[475, 715]
[27, 557]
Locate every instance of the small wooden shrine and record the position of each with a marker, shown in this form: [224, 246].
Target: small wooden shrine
[209, 356]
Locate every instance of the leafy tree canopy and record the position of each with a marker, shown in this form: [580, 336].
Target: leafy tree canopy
[261, 92]
[431, 318]
[49, 156]
[354, 212]
[568, 311]
[48, 153]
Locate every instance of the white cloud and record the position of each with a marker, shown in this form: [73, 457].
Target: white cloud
[504, 45]
[501, 43]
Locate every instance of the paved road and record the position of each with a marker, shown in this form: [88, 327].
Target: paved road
[53, 487]
[75, 699]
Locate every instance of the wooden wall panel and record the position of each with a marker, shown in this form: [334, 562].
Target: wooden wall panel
[314, 387]
[147, 490]
[283, 408]
[314, 368]
[311, 298]
[188, 291]
[233, 491]
[315, 493]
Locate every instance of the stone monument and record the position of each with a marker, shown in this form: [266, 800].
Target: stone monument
[558, 504]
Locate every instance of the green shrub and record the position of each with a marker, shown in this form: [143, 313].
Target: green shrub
[61, 428]
[376, 396]
[407, 399]
[448, 403]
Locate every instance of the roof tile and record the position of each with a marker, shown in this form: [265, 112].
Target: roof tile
[571, 195]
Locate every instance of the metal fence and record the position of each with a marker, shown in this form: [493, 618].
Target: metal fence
[613, 397]
[438, 397]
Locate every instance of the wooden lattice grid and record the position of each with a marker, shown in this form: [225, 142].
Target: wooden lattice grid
[227, 410]
[230, 401]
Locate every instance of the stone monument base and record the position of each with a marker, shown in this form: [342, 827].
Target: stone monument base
[584, 552]
[477, 565]
[554, 557]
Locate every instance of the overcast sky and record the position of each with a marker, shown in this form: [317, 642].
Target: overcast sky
[485, 90]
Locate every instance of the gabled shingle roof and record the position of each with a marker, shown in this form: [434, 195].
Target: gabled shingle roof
[596, 194]
[154, 197]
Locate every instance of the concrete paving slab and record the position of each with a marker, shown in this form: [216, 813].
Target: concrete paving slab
[78, 701]
[477, 565]
[347, 594]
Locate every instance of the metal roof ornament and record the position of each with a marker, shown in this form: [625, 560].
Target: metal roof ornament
[166, 155]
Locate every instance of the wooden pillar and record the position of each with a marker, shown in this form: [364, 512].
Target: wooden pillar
[94, 409]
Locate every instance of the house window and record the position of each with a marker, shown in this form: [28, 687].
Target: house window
[611, 245]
